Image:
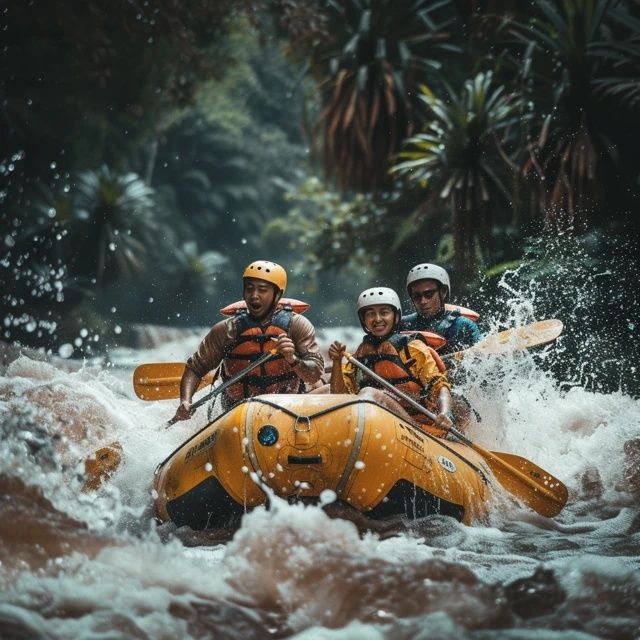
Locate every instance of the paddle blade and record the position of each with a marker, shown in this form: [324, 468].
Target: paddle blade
[531, 335]
[161, 380]
[101, 466]
[537, 488]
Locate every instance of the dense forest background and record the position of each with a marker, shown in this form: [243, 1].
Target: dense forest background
[149, 149]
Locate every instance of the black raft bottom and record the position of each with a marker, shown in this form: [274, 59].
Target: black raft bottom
[209, 506]
[407, 499]
[206, 506]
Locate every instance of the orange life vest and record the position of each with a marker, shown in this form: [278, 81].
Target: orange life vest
[296, 305]
[474, 316]
[384, 359]
[252, 341]
[433, 340]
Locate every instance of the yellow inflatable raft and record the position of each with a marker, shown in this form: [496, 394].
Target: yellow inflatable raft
[302, 445]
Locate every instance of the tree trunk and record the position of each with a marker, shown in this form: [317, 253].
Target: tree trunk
[463, 234]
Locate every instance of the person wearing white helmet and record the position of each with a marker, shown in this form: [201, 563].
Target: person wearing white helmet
[428, 286]
[406, 361]
[235, 342]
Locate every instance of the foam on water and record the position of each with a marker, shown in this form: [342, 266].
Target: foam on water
[294, 570]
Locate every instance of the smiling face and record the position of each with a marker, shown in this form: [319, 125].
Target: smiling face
[260, 297]
[379, 319]
[426, 297]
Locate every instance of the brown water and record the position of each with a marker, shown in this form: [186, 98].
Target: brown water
[94, 565]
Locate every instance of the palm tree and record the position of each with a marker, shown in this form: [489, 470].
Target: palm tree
[462, 158]
[368, 72]
[112, 225]
[578, 71]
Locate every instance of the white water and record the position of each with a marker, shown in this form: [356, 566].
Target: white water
[293, 571]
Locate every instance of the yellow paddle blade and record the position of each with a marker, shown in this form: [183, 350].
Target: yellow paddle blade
[101, 465]
[161, 380]
[530, 335]
[524, 479]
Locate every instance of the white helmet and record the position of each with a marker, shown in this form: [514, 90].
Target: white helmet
[427, 271]
[379, 295]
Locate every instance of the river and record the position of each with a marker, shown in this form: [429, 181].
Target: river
[80, 564]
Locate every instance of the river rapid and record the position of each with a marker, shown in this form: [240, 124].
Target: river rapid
[80, 564]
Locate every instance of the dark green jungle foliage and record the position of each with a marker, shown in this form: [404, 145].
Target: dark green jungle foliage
[149, 150]
[165, 191]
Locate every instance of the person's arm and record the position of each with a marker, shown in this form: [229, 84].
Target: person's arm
[205, 359]
[301, 351]
[188, 386]
[336, 382]
[434, 380]
[444, 419]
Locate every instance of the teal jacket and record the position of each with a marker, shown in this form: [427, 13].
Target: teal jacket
[459, 331]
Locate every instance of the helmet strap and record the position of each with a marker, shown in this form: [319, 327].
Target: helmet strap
[277, 294]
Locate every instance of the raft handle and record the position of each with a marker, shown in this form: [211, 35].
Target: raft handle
[298, 418]
[305, 459]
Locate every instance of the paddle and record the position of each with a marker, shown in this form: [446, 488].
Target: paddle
[518, 339]
[227, 383]
[161, 380]
[101, 465]
[536, 487]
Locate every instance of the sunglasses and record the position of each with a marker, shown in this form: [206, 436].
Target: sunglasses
[427, 295]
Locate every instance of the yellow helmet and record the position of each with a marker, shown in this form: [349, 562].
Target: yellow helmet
[269, 271]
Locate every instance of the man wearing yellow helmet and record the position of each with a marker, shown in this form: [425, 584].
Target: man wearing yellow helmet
[241, 339]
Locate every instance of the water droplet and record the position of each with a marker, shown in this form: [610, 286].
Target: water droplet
[65, 350]
[327, 497]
